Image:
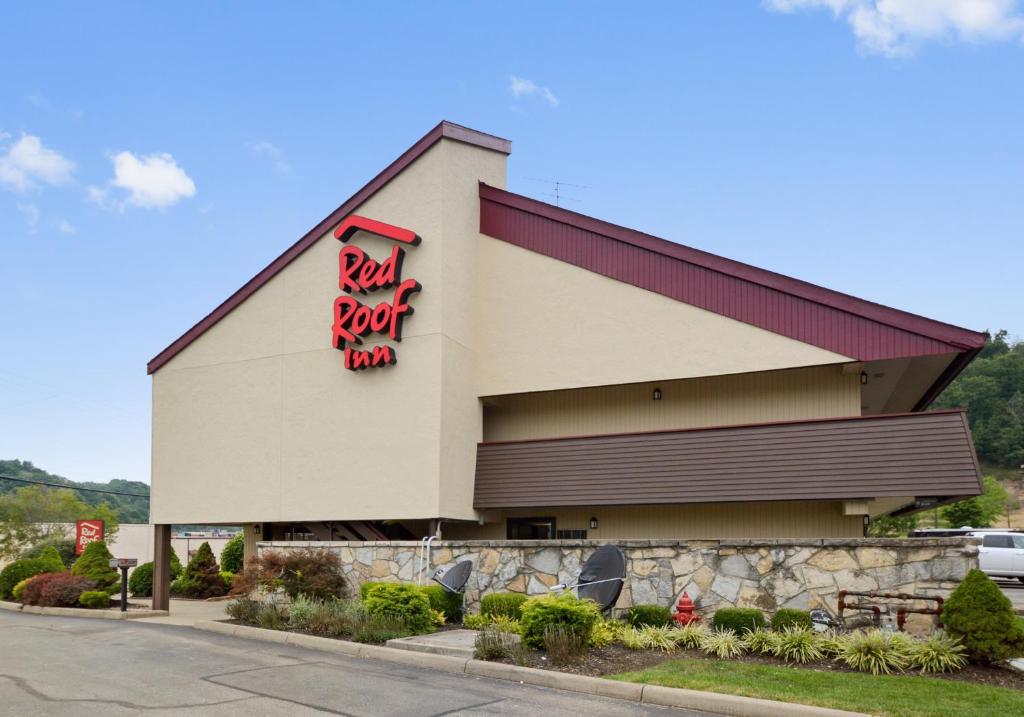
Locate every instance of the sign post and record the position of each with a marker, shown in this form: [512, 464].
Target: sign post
[124, 564]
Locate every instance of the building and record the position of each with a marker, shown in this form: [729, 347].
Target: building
[561, 377]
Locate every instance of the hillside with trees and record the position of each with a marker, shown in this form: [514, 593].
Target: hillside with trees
[126, 509]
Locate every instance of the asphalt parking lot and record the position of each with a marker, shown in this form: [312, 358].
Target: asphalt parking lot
[56, 666]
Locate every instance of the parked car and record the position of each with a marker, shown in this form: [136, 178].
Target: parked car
[1001, 555]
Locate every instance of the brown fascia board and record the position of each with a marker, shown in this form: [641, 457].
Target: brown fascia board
[959, 339]
[444, 130]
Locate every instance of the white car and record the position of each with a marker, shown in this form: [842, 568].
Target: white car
[1001, 555]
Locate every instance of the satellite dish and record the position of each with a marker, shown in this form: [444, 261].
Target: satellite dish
[602, 576]
[454, 579]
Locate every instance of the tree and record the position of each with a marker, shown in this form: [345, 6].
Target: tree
[981, 511]
[892, 527]
[232, 556]
[127, 508]
[94, 564]
[33, 514]
[202, 575]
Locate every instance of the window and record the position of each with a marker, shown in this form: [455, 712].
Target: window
[571, 534]
[531, 528]
[1018, 542]
[997, 541]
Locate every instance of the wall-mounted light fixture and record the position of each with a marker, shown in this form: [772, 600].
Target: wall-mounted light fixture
[863, 378]
[256, 528]
[656, 396]
[593, 523]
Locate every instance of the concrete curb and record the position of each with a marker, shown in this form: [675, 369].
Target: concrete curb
[81, 612]
[722, 704]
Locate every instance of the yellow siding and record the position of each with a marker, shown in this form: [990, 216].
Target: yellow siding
[816, 392]
[684, 522]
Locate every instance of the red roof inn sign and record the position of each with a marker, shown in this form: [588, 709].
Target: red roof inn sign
[359, 274]
[86, 531]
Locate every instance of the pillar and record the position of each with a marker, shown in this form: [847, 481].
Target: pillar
[161, 567]
[253, 532]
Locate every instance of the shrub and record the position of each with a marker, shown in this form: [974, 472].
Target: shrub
[19, 570]
[232, 557]
[52, 559]
[403, 602]
[179, 585]
[475, 621]
[656, 615]
[938, 653]
[228, 578]
[606, 632]
[691, 636]
[507, 604]
[798, 644]
[97, 599]
[243, 609]
[335, 617]
[64, 547]
[564, 643]
[788, 617]
[491, 644]
[631, 639]
[443, 601]
[18, 589]
[762, 641]
[202, 578]
[738, 619]
[380, 628]
[657, 637]
[300, 610]
[874, 651]
[314, 572]
[140, 582]
[94, 564]
[56, 590]
[981, 617]
[564, 610]
[832, 643]
[723, 643]
[365, 588]
[507, 624]
[271, 616]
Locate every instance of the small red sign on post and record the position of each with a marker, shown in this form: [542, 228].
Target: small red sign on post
[87, 531]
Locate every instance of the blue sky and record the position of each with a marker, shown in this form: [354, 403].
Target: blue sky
[152, 159]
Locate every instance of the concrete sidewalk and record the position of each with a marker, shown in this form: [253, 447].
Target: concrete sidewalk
[188, 612]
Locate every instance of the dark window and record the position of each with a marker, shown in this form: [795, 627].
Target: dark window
[531, 528]
[997, 541]
[571, 534]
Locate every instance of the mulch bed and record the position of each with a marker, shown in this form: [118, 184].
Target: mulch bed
[615, 659]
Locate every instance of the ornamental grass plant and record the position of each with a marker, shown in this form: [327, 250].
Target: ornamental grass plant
[723, 643]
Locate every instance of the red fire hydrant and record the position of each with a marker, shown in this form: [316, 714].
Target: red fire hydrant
[684, 614]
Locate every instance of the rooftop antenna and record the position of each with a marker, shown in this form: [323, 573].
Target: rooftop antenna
[557, 185]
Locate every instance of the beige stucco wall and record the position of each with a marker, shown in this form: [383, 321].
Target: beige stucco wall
[684, 522]
[815, 392]
[260, 418]
[546, 325]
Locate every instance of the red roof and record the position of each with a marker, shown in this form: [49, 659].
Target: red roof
[829, 319]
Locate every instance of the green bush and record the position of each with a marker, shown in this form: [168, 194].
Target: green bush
[94, 564]
[65, 548]
[797, 644]
[492, 644]
[407, 603]
[875, 651]
[565, 610]
[19, 570]
[507, 604]
[53, 559]
[179, 585]
[366, 587]
[738, 619]
[232, 557]
[140, 582]
[380, 628]
[97, 599]
[982, 618]
[723, 643]
[653, 615]
[18, 589]
[443, 601]
[475, 621]
[938, 653]
[788, 617]
[202, 578]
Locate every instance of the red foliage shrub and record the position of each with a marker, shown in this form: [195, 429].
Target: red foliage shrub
[315, 573]
[55, 590]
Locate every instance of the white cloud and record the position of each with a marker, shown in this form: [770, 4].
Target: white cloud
[266, 150]
[153, 181]
[897, 27]
[520, 87]
[65, 227]
[31, 214]
[27, 162]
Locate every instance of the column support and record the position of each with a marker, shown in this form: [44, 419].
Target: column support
[161, 567]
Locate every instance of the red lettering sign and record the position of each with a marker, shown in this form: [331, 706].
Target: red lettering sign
[86, 531]
[359, 274]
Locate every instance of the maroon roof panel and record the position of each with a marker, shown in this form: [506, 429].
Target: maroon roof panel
[831, 320]
[910, 454]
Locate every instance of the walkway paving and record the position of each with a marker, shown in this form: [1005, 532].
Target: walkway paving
[188, 612]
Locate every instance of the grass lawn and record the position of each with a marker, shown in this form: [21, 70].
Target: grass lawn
[894, 696]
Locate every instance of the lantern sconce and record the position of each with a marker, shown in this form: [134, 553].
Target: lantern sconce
[863, 378]
[593, 522]
[656, 396]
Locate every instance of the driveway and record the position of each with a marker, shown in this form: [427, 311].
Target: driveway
[66, 666]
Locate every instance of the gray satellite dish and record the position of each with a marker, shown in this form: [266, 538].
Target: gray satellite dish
[602, 576]
[454, 579]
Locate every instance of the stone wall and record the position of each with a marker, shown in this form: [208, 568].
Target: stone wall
[767, 574]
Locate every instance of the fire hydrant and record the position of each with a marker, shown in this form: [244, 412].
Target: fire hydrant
[684, 614]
